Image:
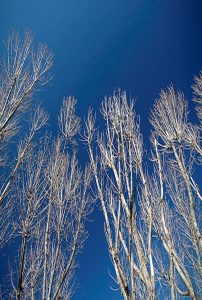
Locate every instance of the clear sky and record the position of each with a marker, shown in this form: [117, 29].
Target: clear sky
[138, 45]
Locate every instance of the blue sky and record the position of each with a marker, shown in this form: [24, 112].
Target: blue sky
[140, 46]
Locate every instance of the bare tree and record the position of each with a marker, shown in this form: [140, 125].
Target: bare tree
[177, 211]
[51, 206]
[197, 88]
[152, 218]
[118, 172]
[23, 71]
[44, 201]
[68, 207]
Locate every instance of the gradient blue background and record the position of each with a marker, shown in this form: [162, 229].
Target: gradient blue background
[140, 46]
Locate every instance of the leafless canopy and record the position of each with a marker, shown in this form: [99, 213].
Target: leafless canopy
[151, 204]
[152, 218]
[44, 200]
[197, 88]
[23, 71]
